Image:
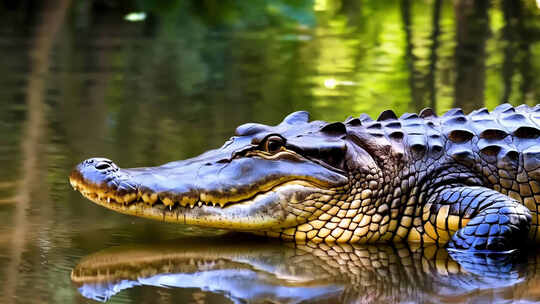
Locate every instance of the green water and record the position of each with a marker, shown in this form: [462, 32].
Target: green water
[86, 78]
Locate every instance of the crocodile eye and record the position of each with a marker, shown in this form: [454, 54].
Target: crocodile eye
[273, 144]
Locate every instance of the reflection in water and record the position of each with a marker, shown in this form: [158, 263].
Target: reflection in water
[79, 79]
[258, 271]
[472, 32]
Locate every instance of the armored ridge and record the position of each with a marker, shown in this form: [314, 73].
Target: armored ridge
[436, 168]
[469, 181]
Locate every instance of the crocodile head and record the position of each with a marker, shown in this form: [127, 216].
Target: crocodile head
[265, 179]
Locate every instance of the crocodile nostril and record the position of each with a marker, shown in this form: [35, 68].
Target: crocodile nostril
[102, 166]
[99, 163]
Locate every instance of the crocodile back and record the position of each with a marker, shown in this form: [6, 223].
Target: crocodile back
[502, 147]
[498, 149]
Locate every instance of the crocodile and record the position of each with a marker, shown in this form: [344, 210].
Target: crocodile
[465, 181]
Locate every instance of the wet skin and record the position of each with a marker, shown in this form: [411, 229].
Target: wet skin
[469, 181]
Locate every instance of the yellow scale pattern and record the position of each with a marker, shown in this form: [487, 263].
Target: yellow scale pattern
[353, 217]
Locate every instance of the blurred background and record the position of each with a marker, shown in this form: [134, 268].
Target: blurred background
[145, 82]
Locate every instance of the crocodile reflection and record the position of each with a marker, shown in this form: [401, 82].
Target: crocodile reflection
[261, 272]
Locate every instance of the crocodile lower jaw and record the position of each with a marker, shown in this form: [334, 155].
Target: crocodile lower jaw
[155, 200]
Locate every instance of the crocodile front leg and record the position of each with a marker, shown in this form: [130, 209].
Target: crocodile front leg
[497, 222]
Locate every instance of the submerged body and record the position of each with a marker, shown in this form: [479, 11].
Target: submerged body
[470, 181]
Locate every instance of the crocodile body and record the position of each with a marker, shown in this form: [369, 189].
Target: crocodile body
[469, 181]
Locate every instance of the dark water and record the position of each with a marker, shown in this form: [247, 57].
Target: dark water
[87, 78]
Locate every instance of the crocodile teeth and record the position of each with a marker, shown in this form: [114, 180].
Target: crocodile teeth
[146, 198]
[149, 199]
[128, 198]
[167, 202]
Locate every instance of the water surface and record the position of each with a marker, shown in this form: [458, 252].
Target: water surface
[90, 78]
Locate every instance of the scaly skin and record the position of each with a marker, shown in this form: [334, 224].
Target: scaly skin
[469, 181]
